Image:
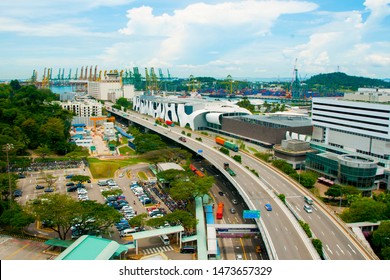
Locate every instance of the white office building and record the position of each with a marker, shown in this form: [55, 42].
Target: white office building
[358, 129]
[110, 88]
[84, 108]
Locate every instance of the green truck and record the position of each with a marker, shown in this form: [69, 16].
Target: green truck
[227, 168]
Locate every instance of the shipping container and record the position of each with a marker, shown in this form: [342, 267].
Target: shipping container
[226, 144]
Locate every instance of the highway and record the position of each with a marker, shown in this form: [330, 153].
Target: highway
[336, 244]
[291, 242]
[283, 236]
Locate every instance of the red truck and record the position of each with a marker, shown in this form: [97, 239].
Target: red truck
[220, 211]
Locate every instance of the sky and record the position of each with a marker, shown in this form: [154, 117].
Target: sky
[244, 39]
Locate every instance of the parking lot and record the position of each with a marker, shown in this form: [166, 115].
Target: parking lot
[123, 179]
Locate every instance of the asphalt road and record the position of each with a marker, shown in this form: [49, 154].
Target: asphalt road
[338, 241]
[292, 243]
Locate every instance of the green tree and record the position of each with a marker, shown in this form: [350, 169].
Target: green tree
[334, 191]
[43, 151]
[15, 218]
[60, 210]
[80, 178]
[121, 101]
[237, 158]
[306, 178]
[171, 175]
[284, 166]
[364, 210]
[224, 150]
[381, 236]
[186, 219]
[5, 185]
[148, 142]
[140, 220]
[245, 103]
[318, 246]
[282, 198]
[96, 218]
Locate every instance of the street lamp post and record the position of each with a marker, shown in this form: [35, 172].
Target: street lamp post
[7, 148]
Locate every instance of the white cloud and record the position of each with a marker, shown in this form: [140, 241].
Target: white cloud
[201, 33]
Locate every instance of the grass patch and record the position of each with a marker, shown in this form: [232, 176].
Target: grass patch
[142, 176]
[252, 149]
[126, 150]
[106, 168]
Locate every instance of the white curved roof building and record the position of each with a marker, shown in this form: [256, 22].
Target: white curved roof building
[193, 112]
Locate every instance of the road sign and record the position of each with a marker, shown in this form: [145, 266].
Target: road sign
[251, 214]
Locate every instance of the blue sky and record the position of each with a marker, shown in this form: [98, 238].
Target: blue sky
[251, 39]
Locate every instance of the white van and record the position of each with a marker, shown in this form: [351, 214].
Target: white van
[164, 239]
[308, 200]
[127, 232]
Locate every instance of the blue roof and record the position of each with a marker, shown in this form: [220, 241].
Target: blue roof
[78, 124]
[123, 133]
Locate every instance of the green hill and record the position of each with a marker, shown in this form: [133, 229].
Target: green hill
[342, 81]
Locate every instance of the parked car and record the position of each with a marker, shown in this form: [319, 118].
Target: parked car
[71, 189]
[39, 187]
[81, 191]
[183, 139]
[69, 176]
[47, 190]
[18, 193]
[69, 184]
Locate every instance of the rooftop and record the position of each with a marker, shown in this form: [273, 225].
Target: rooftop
[277, 120]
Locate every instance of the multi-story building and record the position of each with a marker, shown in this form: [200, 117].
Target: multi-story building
[84, 108]
[353, 138]
[110, 87]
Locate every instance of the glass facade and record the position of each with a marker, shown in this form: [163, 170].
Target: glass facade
[328, 167]
[362, 177]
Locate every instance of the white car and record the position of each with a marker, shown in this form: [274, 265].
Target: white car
[81, 191]
[307, 208]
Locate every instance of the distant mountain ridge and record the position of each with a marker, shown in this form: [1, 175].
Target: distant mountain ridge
[342, 81]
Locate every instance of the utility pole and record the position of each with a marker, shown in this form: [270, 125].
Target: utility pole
[7, 148]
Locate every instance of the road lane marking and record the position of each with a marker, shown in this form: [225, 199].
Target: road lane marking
[285, 228]
[327, 247]
[285, 248]
[17, 251]
[351, 249]
[333, 233]
[337, 253]
[323, 233]
[340, 249]
[296, 247]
